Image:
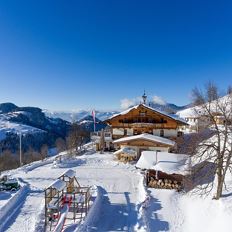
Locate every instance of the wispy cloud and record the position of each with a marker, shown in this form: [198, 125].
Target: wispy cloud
[158, 100]
[126, 103]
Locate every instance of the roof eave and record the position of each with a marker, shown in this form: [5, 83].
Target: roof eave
[148, 140]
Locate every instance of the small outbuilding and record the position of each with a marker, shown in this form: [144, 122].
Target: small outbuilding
[164, 170]
[144, 142]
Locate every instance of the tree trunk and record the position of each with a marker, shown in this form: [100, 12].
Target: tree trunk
[220, 183]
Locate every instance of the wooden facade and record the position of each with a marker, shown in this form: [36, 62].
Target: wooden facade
[144, 119]
[141, 145]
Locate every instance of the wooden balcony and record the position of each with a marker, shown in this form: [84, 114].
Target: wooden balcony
[141, 125]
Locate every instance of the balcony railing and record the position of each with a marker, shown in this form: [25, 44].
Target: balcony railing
[142, 120]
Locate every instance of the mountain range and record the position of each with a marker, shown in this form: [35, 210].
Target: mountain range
[75, 116]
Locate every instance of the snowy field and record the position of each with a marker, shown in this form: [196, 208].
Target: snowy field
[125, 204]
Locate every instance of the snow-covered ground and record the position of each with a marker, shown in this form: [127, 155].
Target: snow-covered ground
[118, 184]
[122, 206]
[176, 212]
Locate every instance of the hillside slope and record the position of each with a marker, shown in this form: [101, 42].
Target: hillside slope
[36, 128]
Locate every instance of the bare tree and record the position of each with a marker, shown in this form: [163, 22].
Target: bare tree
[8, 160]
[60, 144]
[229, 90]
[217, 114]
[77, 137]
[44, 151]
[102, 141]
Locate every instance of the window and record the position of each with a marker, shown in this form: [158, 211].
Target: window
[125, 132]
[161, 133]
[107, 134]
[142, 114]
[179, 134]
[125, 120]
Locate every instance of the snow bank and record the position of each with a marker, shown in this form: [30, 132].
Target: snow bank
[205, 214]
[9, 209]
[67, 162]
[40, 218]
[94, 211]
[142, 201]
[30, 167]
[34, 165]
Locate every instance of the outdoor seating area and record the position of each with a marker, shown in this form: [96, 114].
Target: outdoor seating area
[65, 200]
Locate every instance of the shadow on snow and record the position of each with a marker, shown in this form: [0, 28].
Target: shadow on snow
[154, 220]
[115, 217]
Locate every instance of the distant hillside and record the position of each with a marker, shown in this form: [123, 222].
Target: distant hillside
[35, 126]
[88, 124]
[169, 108]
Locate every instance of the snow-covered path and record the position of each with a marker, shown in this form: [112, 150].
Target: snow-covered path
[119, 186]
[118, 212]
[164, 213]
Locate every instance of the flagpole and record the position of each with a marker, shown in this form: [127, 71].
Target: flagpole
[20, 148]
[94, 121]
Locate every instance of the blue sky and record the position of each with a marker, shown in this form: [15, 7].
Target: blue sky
[92, 54]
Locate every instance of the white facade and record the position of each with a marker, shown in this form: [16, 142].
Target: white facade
[122, 131]
[167, 132]
[130, 131]
[118, 131]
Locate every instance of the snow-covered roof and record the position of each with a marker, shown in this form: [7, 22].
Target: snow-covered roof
[123, 112]
[148, 137]
[126, 150]
[166, 162]
[176, 117]
[59, 185]
[69, 173]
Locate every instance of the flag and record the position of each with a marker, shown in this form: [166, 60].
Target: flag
[94, 119]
